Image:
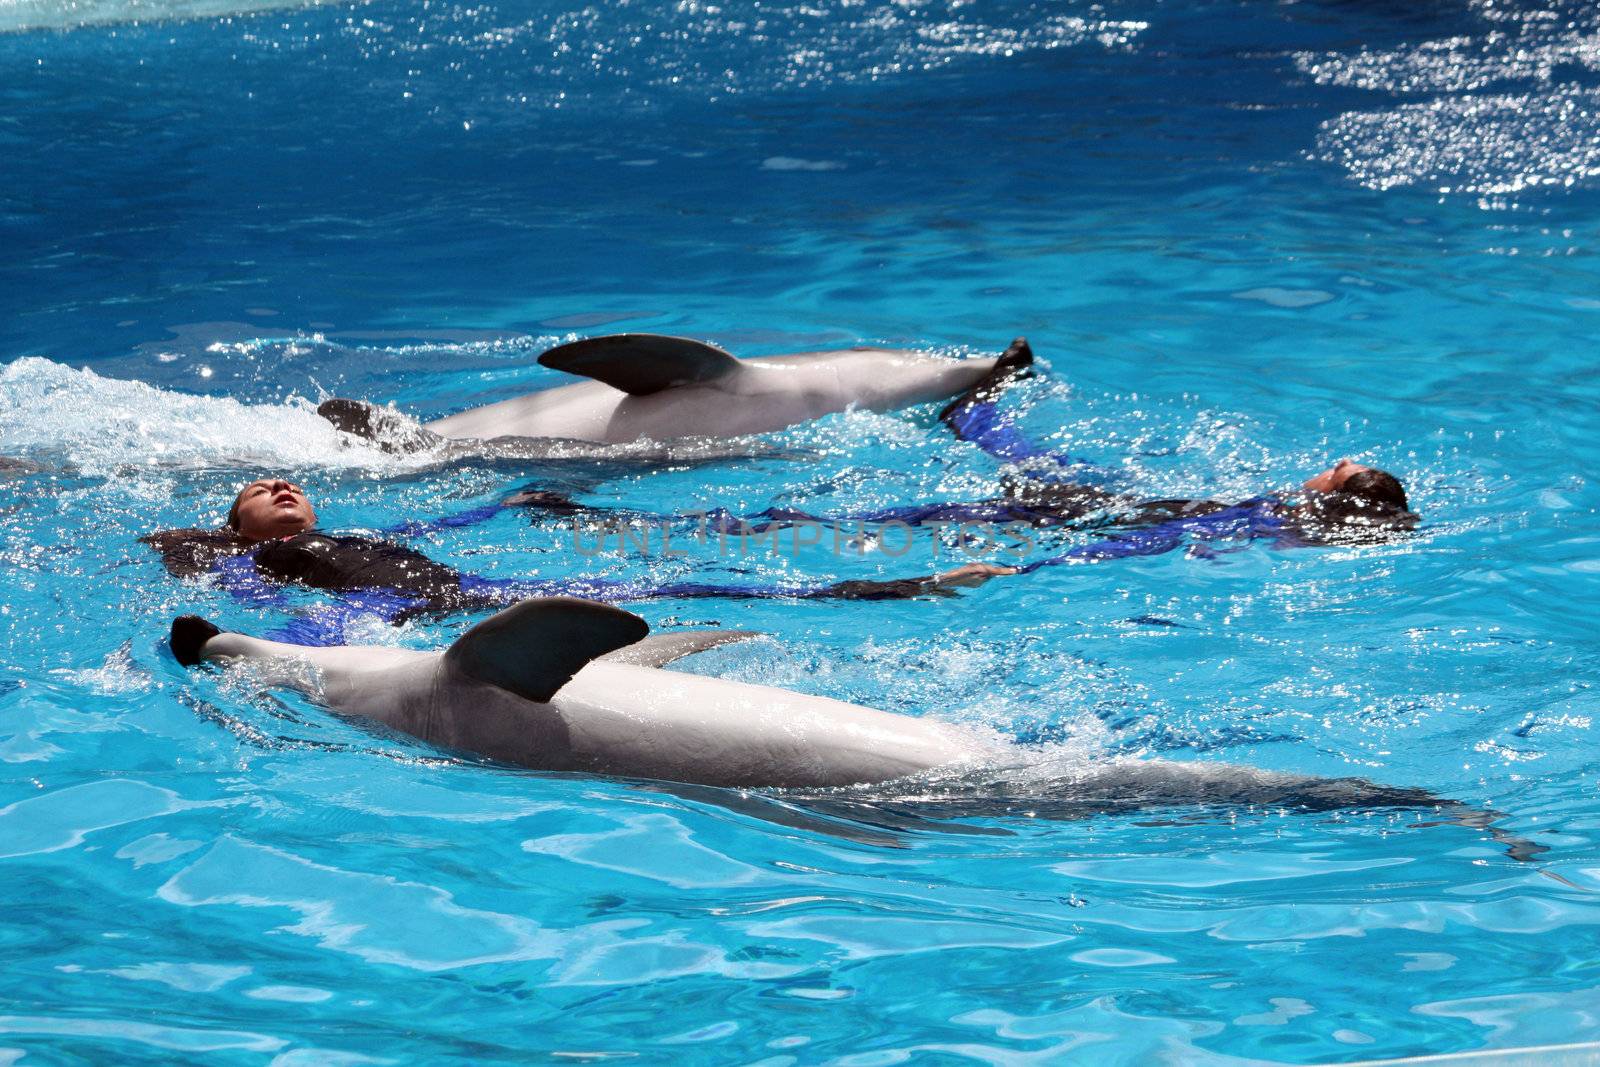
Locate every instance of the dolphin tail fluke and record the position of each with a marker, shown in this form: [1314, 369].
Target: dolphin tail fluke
[641, 363]
[658, 650]
[189, 636]
[1516, 846]
[534, 648]
[975, 415]
[1015, 363]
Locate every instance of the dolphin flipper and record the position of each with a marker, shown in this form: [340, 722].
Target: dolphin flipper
[534, 648]
[641, 363]
[658, 650]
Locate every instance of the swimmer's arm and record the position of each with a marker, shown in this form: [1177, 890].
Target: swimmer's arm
[942, 584]
[192, 552]
[612, 590]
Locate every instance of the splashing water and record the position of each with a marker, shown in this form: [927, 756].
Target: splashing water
[101, 425]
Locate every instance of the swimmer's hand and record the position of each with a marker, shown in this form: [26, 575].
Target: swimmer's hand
[969, 576]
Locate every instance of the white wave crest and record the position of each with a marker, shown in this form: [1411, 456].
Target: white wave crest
[18, 16]
[54, 414]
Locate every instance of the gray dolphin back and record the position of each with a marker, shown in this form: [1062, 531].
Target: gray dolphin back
[534, 648]
[658, 650]
[641, 363]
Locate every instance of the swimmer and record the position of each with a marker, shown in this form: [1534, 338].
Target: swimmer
[270, 540]
[1349, 503]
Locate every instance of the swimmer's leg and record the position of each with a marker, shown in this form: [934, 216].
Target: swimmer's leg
[972, 416]
[1014, 364]
[975, 416]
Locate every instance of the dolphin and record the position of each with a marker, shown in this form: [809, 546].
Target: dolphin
[562, 684]
[652, 387]
[571, 685]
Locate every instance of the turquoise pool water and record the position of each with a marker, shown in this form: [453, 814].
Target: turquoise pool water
[1244, 238]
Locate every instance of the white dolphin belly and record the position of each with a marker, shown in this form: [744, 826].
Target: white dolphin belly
[682, 727]
[761, 396]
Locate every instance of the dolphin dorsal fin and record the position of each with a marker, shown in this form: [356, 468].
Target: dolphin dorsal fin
[658, 650]
[641, 363]
[534, 648]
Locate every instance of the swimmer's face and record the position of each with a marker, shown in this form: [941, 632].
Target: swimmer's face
[272, 507]
[1332, 480]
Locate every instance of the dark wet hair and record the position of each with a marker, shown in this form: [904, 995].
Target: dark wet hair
[233, 512]
[1370, 507]
[1379, 487]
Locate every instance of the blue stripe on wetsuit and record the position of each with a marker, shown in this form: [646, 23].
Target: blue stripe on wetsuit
[243, 582]
[1248, 520]
[470, 517]
[332, 623]
[985, 425]
[320, 624]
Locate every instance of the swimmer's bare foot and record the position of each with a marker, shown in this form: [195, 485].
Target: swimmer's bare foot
[970, 575]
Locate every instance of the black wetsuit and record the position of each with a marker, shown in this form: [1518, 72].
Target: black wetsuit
[394, 582]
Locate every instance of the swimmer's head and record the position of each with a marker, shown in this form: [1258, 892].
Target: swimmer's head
[1353, 495]
[1368, 483]
[270, 507]
[1377, 487]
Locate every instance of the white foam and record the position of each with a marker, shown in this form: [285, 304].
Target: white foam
[20, 15]
[55, 414]
[118, 674]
